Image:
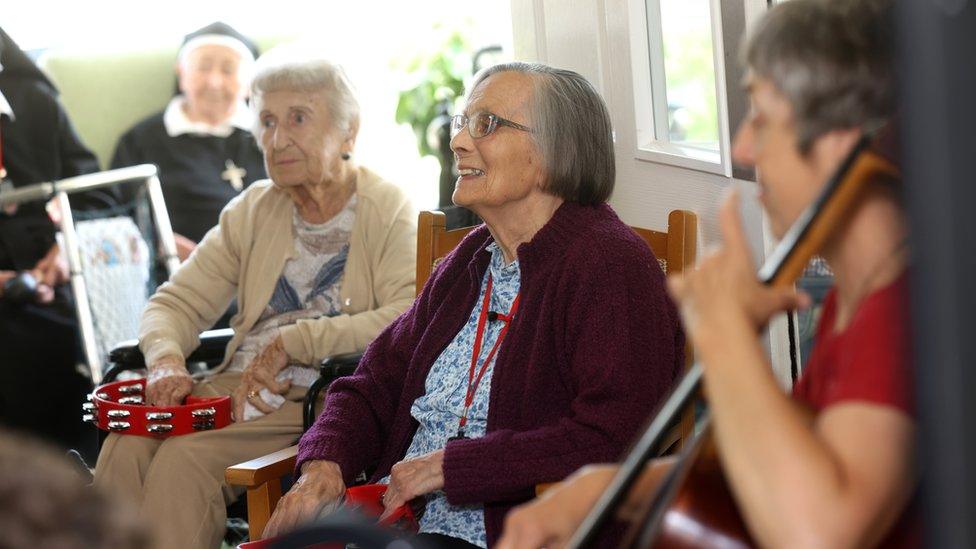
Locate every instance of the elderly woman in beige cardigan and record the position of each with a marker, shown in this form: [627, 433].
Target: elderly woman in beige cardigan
[320, 258]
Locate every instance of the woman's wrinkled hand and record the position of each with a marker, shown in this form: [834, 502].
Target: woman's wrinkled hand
[412, 478]
[724, 290]
[184, 246]
[551, 519]
[168, 382]
[51, 271]
[261, 373]
[319, 485]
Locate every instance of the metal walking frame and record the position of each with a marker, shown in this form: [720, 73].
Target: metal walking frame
[60, 190]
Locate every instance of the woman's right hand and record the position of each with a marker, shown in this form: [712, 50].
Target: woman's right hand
[551, 519]
[321, 484]
[168, 382]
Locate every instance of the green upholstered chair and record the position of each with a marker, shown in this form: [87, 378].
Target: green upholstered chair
[105, 93]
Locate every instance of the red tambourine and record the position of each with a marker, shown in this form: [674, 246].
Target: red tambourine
[118, 407]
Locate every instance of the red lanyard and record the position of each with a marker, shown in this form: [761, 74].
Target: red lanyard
[476, 351]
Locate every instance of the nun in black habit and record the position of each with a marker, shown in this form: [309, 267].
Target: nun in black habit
[201, 142]
[41, 389]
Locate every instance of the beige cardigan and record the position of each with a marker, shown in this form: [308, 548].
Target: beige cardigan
[246, 253]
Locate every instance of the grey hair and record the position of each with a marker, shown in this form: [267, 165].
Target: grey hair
[44, 502]
[831, 58]
[572, 130]
[288, 69]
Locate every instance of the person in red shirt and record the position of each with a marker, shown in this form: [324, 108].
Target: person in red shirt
[831, 466]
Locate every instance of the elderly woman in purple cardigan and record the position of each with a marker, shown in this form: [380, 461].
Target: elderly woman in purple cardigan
[540, 344]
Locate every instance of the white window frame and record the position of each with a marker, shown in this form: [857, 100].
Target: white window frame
[652, 116]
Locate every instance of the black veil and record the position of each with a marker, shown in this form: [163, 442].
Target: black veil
[17, 65]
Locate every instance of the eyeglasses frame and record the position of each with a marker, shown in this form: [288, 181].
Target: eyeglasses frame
[493, 122]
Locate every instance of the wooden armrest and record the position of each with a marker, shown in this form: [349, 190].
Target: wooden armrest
[262, 477]
[541, 488]
[263, 469]
[672, 443]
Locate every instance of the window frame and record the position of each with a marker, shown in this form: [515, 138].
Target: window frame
[651, 115]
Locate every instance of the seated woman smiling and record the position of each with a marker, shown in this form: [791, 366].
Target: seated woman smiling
[321, 258]
[538, 345]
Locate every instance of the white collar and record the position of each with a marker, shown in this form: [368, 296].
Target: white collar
[4, 104]
[177, 123]
[5, 107]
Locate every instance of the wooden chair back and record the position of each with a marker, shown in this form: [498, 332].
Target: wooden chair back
[674, 249]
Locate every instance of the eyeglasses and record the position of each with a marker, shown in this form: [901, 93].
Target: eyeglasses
[482, 124]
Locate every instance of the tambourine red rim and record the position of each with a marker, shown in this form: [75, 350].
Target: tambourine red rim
[135, 418]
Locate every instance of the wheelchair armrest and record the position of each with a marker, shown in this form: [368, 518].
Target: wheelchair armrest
[262, 479]
[332, 368]
[127, 355]
[213, 343]
[340, 365]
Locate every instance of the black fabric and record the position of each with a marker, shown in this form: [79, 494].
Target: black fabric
[38, 145]
[40, 389]
[17, 64]
[223, 29]
[440, 541]
[190, 168]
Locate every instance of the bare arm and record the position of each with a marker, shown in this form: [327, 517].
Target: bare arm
[837, 480]
[551, 519]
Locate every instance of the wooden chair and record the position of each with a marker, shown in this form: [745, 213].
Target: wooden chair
[675, 250]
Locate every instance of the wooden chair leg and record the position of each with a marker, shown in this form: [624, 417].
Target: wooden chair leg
[261, 478]
[261, 502]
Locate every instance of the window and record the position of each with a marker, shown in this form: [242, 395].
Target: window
[679, 83]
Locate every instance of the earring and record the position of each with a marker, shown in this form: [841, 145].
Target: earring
[345, 156]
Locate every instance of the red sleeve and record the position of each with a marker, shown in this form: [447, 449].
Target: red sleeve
[870, 361]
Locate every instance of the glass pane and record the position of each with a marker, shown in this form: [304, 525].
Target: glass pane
[686, 30]
[816, 281]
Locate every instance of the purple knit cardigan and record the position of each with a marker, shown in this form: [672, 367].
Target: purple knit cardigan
[593, 348]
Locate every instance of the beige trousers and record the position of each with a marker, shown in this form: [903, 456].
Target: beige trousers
[179, 481]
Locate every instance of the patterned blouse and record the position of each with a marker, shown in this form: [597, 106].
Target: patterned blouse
[440, 409]
[307, 288]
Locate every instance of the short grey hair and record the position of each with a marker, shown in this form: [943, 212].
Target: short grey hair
[572, 130]
[286, 68]
[831, 58]
[45, 503]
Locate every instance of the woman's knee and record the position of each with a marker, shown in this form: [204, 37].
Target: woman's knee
[123, 462]
[182, 463]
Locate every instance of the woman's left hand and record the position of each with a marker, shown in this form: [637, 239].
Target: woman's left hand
[414, 477]
[259, 374]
